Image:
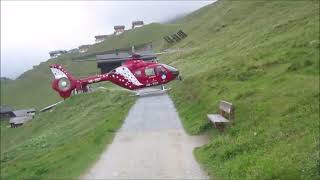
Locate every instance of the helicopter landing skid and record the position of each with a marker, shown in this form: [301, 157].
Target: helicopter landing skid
[151, 92]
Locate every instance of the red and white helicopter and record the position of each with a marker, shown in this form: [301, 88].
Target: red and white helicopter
[134, 74]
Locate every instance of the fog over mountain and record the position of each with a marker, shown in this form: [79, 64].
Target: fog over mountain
[29, 30]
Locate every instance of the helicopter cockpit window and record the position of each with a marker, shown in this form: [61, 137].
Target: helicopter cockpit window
[137, 73]
[169, 67]
[160, 70]
[149, 72]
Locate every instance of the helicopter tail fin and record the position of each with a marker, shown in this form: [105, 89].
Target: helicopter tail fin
[64, 82]
[58, 72]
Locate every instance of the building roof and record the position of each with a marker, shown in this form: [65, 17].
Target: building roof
[137, 22]
[58, 51]
[20, 120]
[5, 109]
[119, 27]
[24, 112]
[101, 36]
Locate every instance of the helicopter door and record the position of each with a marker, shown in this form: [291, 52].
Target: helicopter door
[150, 75]
[161, 74]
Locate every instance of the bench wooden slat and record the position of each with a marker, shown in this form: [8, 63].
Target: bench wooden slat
[217, 118]
[225, 106]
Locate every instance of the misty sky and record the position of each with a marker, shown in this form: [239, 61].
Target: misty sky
[29, 30]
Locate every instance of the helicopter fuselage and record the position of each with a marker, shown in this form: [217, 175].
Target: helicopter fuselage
[132, 74]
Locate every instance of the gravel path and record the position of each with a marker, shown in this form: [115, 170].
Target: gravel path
[151, 144]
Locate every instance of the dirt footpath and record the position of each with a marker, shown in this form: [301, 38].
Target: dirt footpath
[151, 144]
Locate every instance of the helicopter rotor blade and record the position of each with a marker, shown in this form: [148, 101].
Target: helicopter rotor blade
[162, 52]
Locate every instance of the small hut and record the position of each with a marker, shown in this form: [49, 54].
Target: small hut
[19, 121]
[136, 24]
[21, 116]
[54, 54]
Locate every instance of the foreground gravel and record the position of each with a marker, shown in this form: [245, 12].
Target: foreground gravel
[151, 144]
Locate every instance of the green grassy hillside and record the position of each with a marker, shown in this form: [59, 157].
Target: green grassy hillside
[263, 56]
[63, 143]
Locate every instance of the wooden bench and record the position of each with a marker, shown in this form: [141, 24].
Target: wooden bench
[225, 116]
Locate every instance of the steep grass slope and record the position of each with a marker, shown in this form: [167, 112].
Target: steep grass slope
[33, 88]
[263, 56]
[63, 143]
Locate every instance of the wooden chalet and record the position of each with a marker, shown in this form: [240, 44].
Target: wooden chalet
[21, 116]
[136, 24]
[119, 29]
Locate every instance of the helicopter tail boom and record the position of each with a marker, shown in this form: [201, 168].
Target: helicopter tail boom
[64, 82]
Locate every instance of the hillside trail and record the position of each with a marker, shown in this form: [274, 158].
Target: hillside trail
[151, 144]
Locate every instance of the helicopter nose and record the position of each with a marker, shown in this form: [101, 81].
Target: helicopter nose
[175, 73]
